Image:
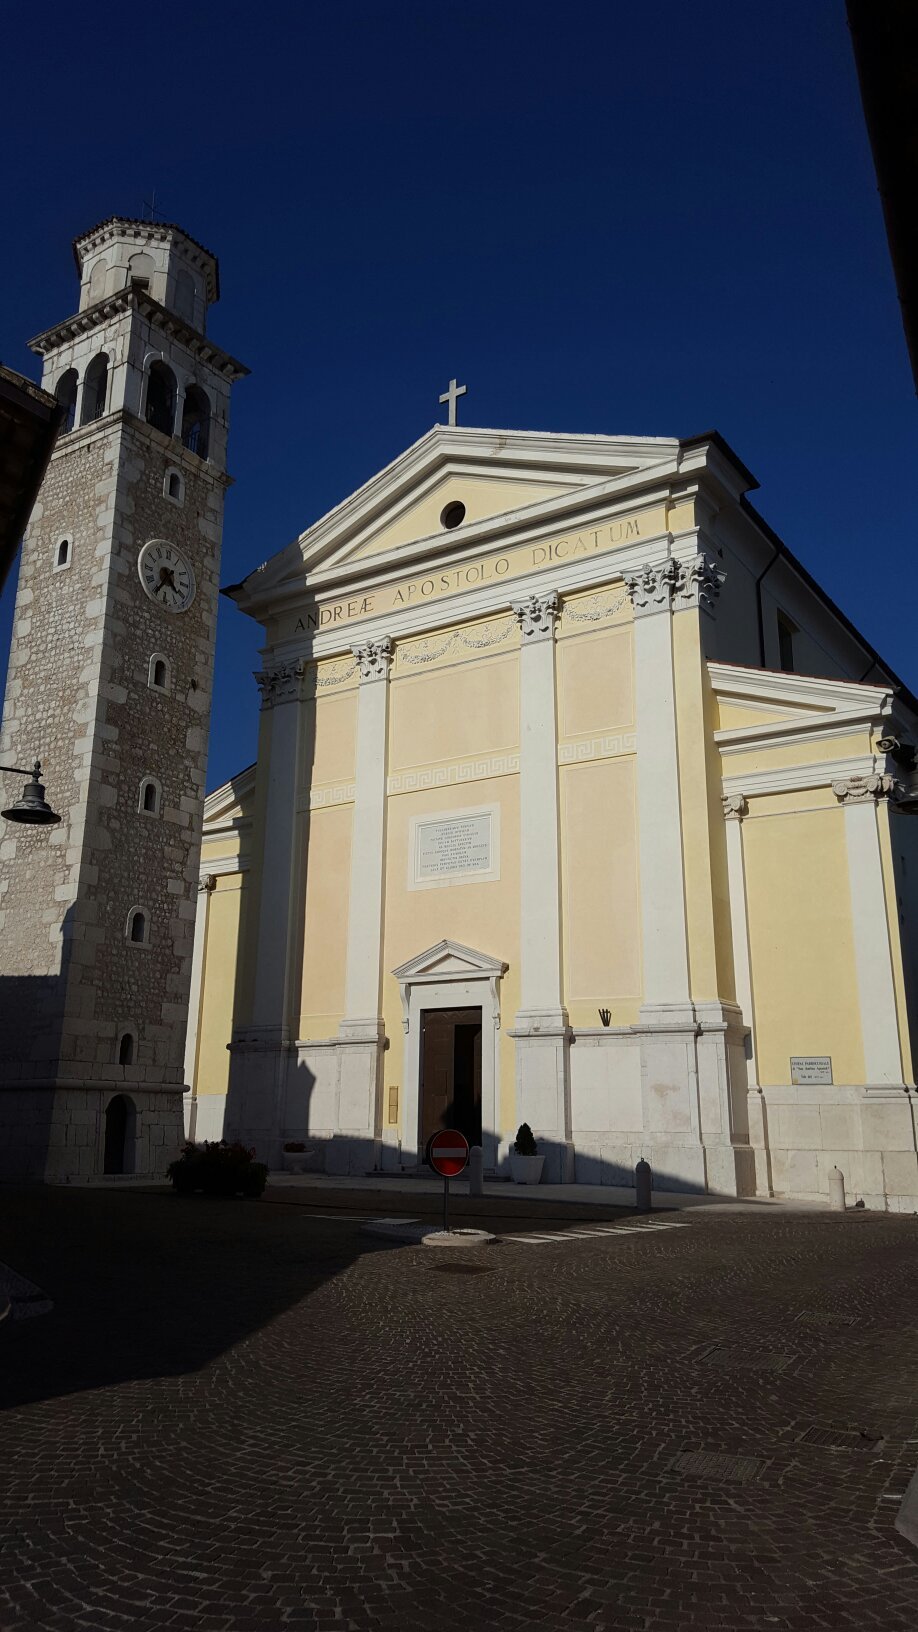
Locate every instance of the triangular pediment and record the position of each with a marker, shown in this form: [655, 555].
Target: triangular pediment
[494, 475]
[230, 803]
[449, 960]
[756, 704]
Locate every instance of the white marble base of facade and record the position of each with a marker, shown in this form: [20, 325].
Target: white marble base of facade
[672, 1090]
[870, 1133]
[55, 1133]
[255, 1100]
[543, 1088]
[205, 1117]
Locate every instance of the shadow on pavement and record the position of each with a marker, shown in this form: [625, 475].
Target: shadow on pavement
[148, 1284]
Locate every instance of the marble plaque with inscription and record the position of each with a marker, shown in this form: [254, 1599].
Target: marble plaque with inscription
[810, 1068]
[454, 848]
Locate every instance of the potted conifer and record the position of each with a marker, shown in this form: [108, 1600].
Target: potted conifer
[525, 1161]
[295, 1156]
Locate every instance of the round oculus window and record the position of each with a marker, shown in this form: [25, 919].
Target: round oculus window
[453, 515]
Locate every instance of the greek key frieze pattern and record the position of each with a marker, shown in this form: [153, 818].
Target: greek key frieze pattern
[447, 776]
[341, 793]
[610, 747]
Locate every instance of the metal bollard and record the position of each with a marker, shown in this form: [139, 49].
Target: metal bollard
[837, 1190]
[476, 1171]
[643, 1186]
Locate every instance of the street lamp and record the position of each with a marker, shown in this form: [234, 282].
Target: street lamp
[32, 807]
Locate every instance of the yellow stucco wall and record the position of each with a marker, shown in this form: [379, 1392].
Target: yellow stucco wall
[327, 893]
[482, 496]
[801, 935]
[601, 908]
[484, 917]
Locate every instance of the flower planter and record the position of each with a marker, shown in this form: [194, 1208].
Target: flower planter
[525, 1169]
[295, 1160]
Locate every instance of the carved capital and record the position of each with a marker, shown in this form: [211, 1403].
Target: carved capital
[734, 806]
[857, 790]
[373, 658]
[536, 615]
[281, 684]
[652, 587]
[698, 584]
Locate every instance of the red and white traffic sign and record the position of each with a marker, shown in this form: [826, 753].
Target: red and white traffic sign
[448, 1153]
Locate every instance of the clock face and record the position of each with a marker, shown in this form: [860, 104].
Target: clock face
[166, 575]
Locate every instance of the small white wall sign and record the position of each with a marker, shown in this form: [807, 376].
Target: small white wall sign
[455, 847]
[810, 1068]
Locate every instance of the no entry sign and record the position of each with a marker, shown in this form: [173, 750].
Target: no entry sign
[448, 1153]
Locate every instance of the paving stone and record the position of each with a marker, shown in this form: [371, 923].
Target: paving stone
[238, 1416]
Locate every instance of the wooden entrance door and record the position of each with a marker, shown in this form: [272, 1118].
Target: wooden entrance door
[451, 1072]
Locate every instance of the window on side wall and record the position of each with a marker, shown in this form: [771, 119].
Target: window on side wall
[787, 632]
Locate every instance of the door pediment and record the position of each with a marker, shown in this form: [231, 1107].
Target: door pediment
[447, 962]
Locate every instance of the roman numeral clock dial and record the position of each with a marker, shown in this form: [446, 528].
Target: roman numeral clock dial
[166, 575]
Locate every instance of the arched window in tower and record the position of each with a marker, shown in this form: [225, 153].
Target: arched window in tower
[161, 390]
[95, 389]
[97, 280]
[196, 421]
[158, 675]
[126, 1048]
[63, 553]
[140, 271]
[66, 394]
[183, 299]
[137, 927]
[174, 485]
[150, 797]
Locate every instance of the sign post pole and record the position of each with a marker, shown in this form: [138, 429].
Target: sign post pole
[447, 1153]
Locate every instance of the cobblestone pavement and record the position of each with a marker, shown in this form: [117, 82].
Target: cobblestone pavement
[242, 1416]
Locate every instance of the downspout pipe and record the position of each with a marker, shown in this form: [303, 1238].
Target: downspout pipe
[760, 617]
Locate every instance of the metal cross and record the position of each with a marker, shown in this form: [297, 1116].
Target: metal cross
[150, 204]
[452, 396]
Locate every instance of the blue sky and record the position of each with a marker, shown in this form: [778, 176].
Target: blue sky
[641, 220]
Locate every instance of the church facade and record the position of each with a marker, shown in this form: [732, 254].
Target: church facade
[577, 803]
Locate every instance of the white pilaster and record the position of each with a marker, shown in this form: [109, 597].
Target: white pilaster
[206, 886]
[756, 1112]
[360, 1036]
[872, 951]
[665, 951]
[541, 1030]
[368, 840]
[734, 811]
[540, 876]
[282, 692]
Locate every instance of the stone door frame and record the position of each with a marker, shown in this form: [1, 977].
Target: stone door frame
[450, 976]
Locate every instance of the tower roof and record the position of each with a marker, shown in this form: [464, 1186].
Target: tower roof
[149, 232]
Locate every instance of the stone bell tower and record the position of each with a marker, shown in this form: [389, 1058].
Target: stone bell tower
[109, 685]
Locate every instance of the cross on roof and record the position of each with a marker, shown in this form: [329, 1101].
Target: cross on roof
[150, 204]
[452, 397]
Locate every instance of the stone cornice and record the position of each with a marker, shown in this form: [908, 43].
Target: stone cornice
[134, 300]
